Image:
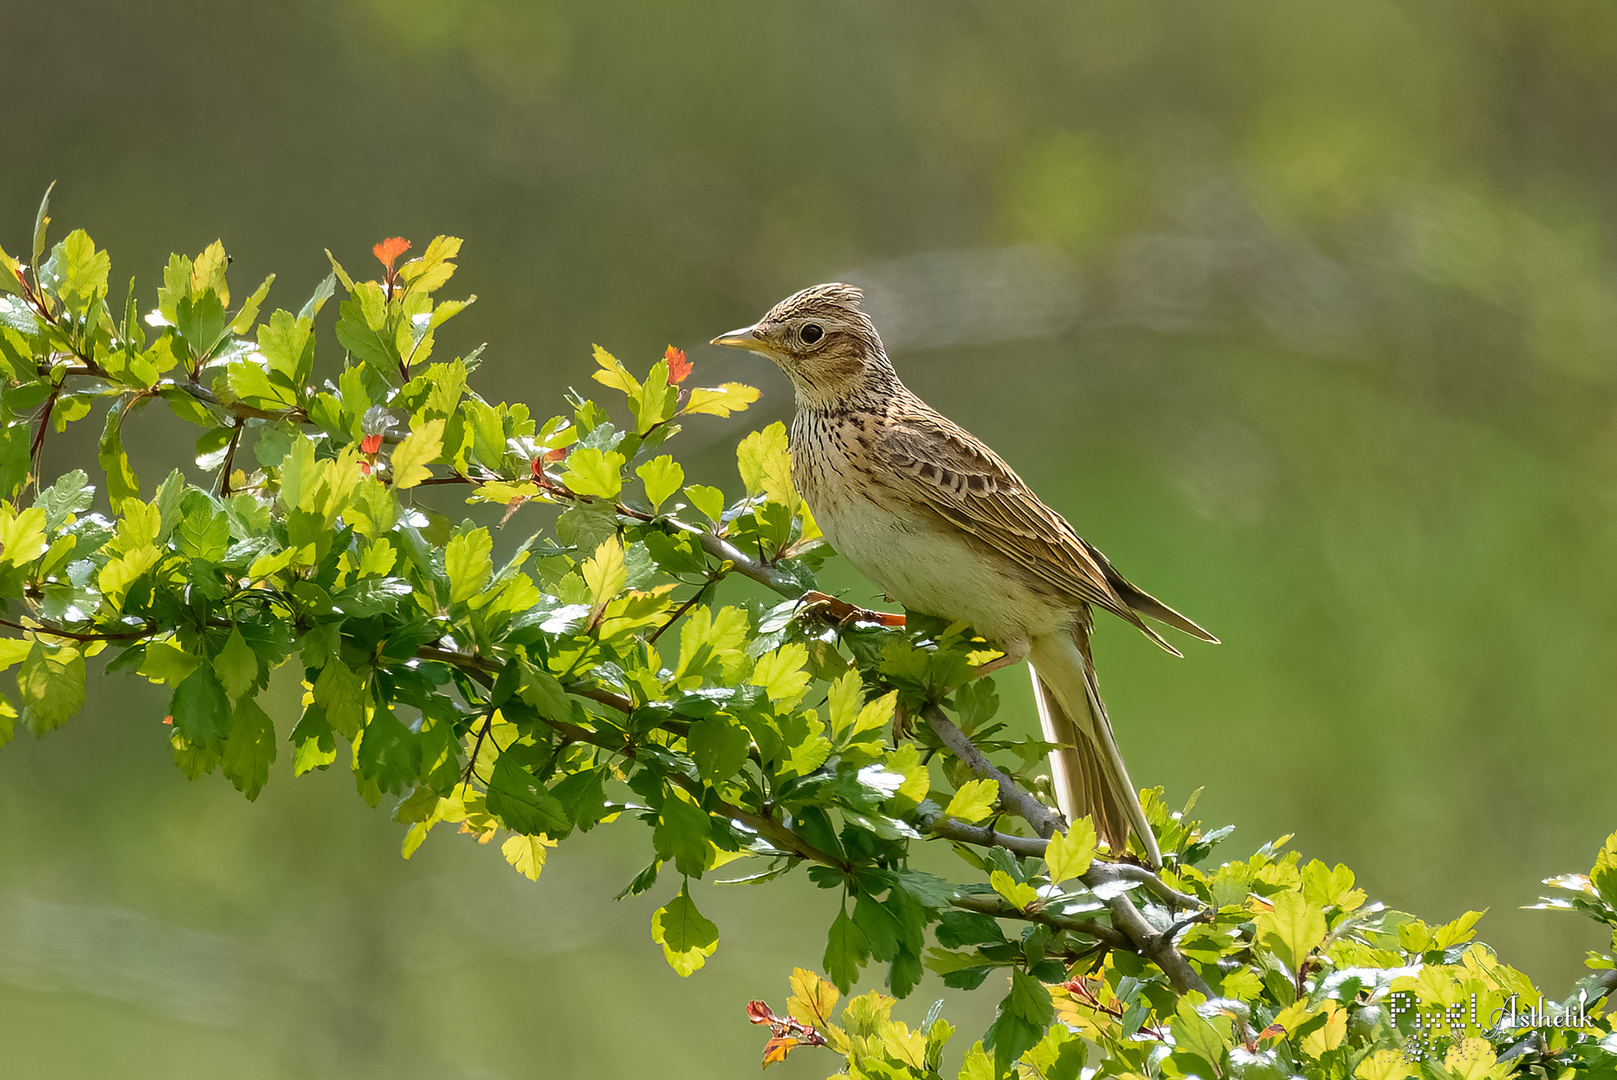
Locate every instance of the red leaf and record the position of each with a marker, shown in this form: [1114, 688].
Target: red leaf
[678, 366]
[169, 720]
[390, 249]
[775, 1050]
[760, 1013]
[365, 467]
[370, 444]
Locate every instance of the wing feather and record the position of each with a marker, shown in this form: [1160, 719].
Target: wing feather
[939, 465]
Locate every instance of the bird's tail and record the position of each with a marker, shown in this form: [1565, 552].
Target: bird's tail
[1089, 777]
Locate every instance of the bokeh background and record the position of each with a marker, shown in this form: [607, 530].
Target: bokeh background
[1305, 313]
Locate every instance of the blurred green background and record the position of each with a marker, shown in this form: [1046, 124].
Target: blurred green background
[1305, 313]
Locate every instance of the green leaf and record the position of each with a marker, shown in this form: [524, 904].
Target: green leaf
[1193, 1033]
[709, 500]
[614, 374]
[1059, 1055]
[52, 686]
[236, 665]
[719, 746]
[201, 322]
[418, 450]
[40, 222]
[880, 928]
[846, 951]
[249, 309]
[977, 1065]
[1292, 929]
[315, 743]
[682, 835]
[166, 662]
[780, 673]
[433, 269]
[361, 329]
[662, 476]
[469, 563]
[121, 480]
[80, 271]
[201, 710]
[1024, 1016]
[591, 471]
[1070, 853]
[686, 936]
[1019, 894]
[543, 692]
[203, 534]
[522, 804]
[389, 754]
[1457, 932]
[22, 537]
[249, 749]
[974, 801]
[766, 464]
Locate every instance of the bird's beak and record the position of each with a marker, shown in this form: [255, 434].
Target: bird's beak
[748, 337]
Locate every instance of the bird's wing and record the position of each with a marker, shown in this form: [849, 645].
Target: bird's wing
[938, 464]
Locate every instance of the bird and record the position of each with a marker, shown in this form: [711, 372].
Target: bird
[943, 526]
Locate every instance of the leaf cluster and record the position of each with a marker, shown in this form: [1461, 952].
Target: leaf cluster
[530, 677]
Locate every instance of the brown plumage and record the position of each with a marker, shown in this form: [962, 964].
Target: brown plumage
[945, 527]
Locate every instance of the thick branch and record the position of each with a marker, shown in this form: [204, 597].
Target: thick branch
[1019, 802]
[1154, 945]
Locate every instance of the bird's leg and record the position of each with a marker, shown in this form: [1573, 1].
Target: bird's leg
[1015, 651]
[840, 611]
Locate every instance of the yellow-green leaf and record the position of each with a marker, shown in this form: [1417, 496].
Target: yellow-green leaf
[1385, 1065]
[614, 374]
[419, 449]
[721, 400]
[974, 801]
[527, 854]
[1070, 853]
[604, 572]
[591, 471]
[1018, 893]
[780, 672]
[686, 936]
[1293, 929]
[662, 476]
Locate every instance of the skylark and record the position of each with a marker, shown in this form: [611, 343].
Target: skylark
[943, 526]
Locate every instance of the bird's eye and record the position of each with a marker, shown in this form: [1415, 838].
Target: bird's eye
[811, 333]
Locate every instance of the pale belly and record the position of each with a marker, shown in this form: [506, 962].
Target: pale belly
[926, 570]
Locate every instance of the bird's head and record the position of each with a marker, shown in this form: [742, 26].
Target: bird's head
[823, 341]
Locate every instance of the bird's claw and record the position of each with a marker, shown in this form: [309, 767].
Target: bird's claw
[831, 609]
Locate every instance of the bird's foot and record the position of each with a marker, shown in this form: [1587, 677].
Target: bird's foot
[1015, 653]
[830, 608]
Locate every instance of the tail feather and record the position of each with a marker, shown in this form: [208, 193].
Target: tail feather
[1087, 770]
[1143, 603]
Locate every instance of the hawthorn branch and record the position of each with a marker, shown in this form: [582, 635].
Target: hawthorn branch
[1000, 908]
[1153, 944]
[767, 826]
[79, 635]
[1044, 821]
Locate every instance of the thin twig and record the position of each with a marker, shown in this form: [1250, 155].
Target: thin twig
[230, 458]
[75, 635]
[1000, 908]
[683, 608]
